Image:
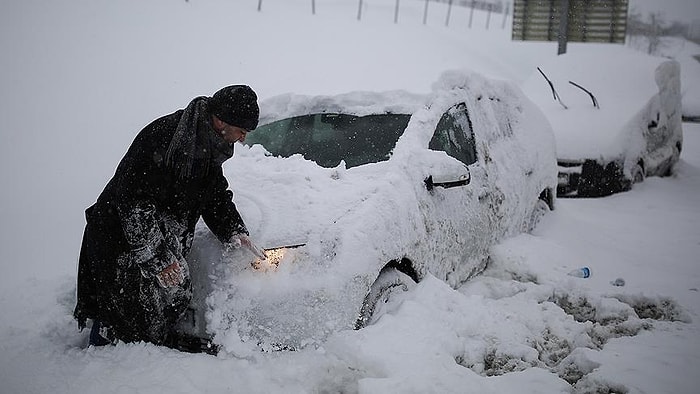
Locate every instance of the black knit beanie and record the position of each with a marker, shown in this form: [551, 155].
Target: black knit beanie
[236, 105]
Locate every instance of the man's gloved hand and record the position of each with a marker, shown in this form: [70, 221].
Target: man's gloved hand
[171, 275]
[239, 240]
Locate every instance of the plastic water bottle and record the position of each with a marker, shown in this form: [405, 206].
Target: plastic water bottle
[583, 272]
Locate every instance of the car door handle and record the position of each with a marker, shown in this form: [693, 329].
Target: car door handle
[461, 181]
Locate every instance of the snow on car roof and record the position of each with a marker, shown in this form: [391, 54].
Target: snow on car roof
[353, 103]
[623, 82]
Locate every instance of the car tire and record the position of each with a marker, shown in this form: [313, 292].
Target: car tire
[540, 209]
[388, 285]
[637, 174]
[676, 156]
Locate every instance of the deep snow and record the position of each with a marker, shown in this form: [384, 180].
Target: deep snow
[80, 79]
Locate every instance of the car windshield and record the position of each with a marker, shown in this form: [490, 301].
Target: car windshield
[329, 138]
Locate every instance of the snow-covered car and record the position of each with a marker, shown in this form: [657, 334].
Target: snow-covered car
[370, 192]
[616, 115]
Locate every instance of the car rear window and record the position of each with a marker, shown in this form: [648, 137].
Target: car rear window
[328, 138]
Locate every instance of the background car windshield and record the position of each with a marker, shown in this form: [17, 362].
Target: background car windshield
[329, 138]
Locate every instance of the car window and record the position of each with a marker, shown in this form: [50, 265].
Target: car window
[454, 135]
[329, 138]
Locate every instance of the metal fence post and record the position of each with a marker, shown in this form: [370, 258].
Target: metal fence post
[471, 14]
[396, 12]
[488, 16]
[259, 5]
[505, 15]
[313, 7]
[563, 27]
[359, 11]
[425, 12]
[449, 10]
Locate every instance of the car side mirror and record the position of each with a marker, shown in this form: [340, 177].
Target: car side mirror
[461, 180]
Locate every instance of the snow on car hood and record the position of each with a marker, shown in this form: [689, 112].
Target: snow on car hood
[294, 199]
[625, 83]
[290, 201]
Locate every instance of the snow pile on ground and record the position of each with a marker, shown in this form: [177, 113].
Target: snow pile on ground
[81, 78]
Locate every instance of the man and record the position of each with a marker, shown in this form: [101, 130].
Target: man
[133, 279]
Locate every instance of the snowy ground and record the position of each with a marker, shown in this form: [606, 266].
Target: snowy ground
[80, 79]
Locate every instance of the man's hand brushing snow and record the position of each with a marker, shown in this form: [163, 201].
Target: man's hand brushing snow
[239, 240]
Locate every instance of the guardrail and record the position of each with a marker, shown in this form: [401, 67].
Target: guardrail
[570, 21]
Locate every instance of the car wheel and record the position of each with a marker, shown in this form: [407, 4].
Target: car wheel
[388, 285]
[637, 174]
[676, 155]
[540, 209]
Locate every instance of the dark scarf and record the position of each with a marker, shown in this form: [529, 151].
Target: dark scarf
[195, 146]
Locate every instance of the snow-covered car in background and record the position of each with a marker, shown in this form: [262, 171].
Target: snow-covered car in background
[616, 120]
[372, 192]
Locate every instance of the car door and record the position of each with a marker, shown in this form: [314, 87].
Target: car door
[460, 212]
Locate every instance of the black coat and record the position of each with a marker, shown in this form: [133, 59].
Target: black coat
[143, 221]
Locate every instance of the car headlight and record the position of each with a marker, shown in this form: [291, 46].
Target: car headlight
[274, 257]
